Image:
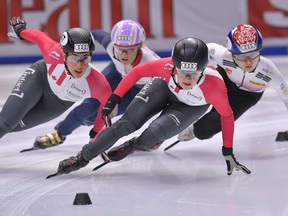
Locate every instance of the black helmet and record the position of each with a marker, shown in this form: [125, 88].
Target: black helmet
[190, 54]
[77, 40]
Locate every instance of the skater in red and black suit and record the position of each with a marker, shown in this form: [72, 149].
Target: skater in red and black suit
[126, 47]
[50, 86]
[181, 93]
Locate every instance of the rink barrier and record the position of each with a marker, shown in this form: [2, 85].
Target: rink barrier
[267, 51]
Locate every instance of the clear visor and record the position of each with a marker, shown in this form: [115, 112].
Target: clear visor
[75, 59]
[192, 74]
[125, 49]
[245, 56]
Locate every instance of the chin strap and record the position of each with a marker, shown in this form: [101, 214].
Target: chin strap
[173, 77]
[201, 75]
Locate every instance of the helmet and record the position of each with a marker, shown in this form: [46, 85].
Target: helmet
[77, 40]
[190, 54]
[127, 33]
[243, 39]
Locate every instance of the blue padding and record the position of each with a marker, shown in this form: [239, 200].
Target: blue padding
[275, 51]
[104, 57]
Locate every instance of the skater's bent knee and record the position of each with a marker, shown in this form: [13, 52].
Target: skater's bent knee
[153, 135]
[124, 127]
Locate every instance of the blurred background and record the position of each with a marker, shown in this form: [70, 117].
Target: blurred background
[165, 22]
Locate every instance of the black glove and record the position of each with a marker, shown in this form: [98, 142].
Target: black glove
[72, 164]
[92, 134]
[17, 25]
[108, 108]
[232, 163]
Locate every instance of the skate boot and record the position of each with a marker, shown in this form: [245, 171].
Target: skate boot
[187, 134]
[48, 140]
[72, 164]
[119, 152]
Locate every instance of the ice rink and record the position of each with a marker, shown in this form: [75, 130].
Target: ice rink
[189, 179]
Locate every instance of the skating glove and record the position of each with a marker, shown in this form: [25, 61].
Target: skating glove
[17, 25]
[108, 111]
[232, 163]
[72, 164]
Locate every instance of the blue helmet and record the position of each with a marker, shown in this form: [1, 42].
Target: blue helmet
[244, 39]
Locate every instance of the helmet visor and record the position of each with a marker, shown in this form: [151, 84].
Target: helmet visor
[75, 59]
[252, 55]
[192, 74]
[126, 49]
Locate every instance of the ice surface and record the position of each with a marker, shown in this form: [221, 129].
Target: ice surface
[189, 179]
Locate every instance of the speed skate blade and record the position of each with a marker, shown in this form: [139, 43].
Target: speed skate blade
[101, 165]
[52, 175]
[28, 149]
[170, 146]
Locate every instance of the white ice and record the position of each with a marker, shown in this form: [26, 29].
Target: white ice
[189, 179]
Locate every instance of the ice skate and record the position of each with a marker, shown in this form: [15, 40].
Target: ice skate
[120, 152]
[48, 140]
[70, 164]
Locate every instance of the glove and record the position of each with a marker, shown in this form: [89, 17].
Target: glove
[232, 163]
[109, 107]
[92, 134]
[17, 25]
[72, 164]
